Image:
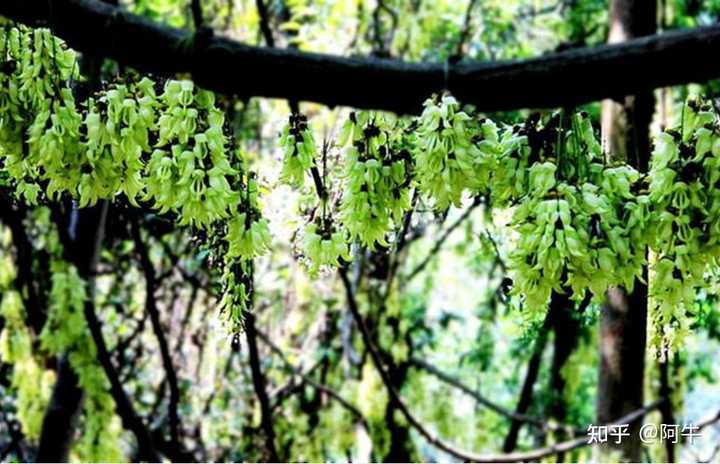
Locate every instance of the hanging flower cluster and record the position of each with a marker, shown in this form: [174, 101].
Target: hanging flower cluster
[575, 216]
[448, 157]
[247, 237]
[162, 144]
[191, 128]
[299, 150]
[235, 301]
[325, 245]
[685, 233]
[118, 126]
[99, 148]
[581, 223]
[34, 98]
[248, 234]
[377, 178]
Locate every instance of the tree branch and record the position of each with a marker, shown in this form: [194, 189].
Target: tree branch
[515, 416]
[307, 379]
[526, 393]
[226, 66]
[152, 310]
[709, 421]
[394, 396]
[265, 23]
[258, 380]
[465, 31]
[441, 241]
[123, 405]
[197, 14]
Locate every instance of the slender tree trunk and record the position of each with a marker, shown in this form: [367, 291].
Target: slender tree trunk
[401, 445]
[666, 409]
[566, 328]
[625, 127]
[259, 385]
[526, 394]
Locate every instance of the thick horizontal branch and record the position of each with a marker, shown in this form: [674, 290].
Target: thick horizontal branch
[225, 66]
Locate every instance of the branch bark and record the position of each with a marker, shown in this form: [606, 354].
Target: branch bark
[667, 414]
[623, 320]
[526, 394]
[229, 67]
[519, 417]
[258, 380]
[307, 379]
[441, 240]
[152, 310]
[123, 405]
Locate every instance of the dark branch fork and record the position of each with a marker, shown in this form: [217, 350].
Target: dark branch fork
[566, 78]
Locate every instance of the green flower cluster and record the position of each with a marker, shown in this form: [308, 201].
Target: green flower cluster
[188, 170]
[66, 332]
[376, 181]
[299, 150]
[449, 157]
[34, 97]
[97, 149]
[31, 382]
[685, 233]
[117, 125]
[578, 222]
[247, 237]
[325, 246]
[248, 234]
[235, 300]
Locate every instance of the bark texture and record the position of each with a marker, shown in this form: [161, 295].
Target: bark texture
[623, 336]
[566, 78]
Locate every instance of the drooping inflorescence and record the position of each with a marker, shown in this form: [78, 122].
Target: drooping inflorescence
[299, 150]
[685, 231]
[376, 178]
[579, 222]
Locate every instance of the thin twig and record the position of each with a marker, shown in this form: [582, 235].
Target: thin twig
[307, 379]
[455, 382]
[441, 241]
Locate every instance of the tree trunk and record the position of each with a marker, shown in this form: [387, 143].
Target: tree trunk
[566, 328]
[58, 425]
[259, 384]
[526, 394]
[625, 128]
[666, 409]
